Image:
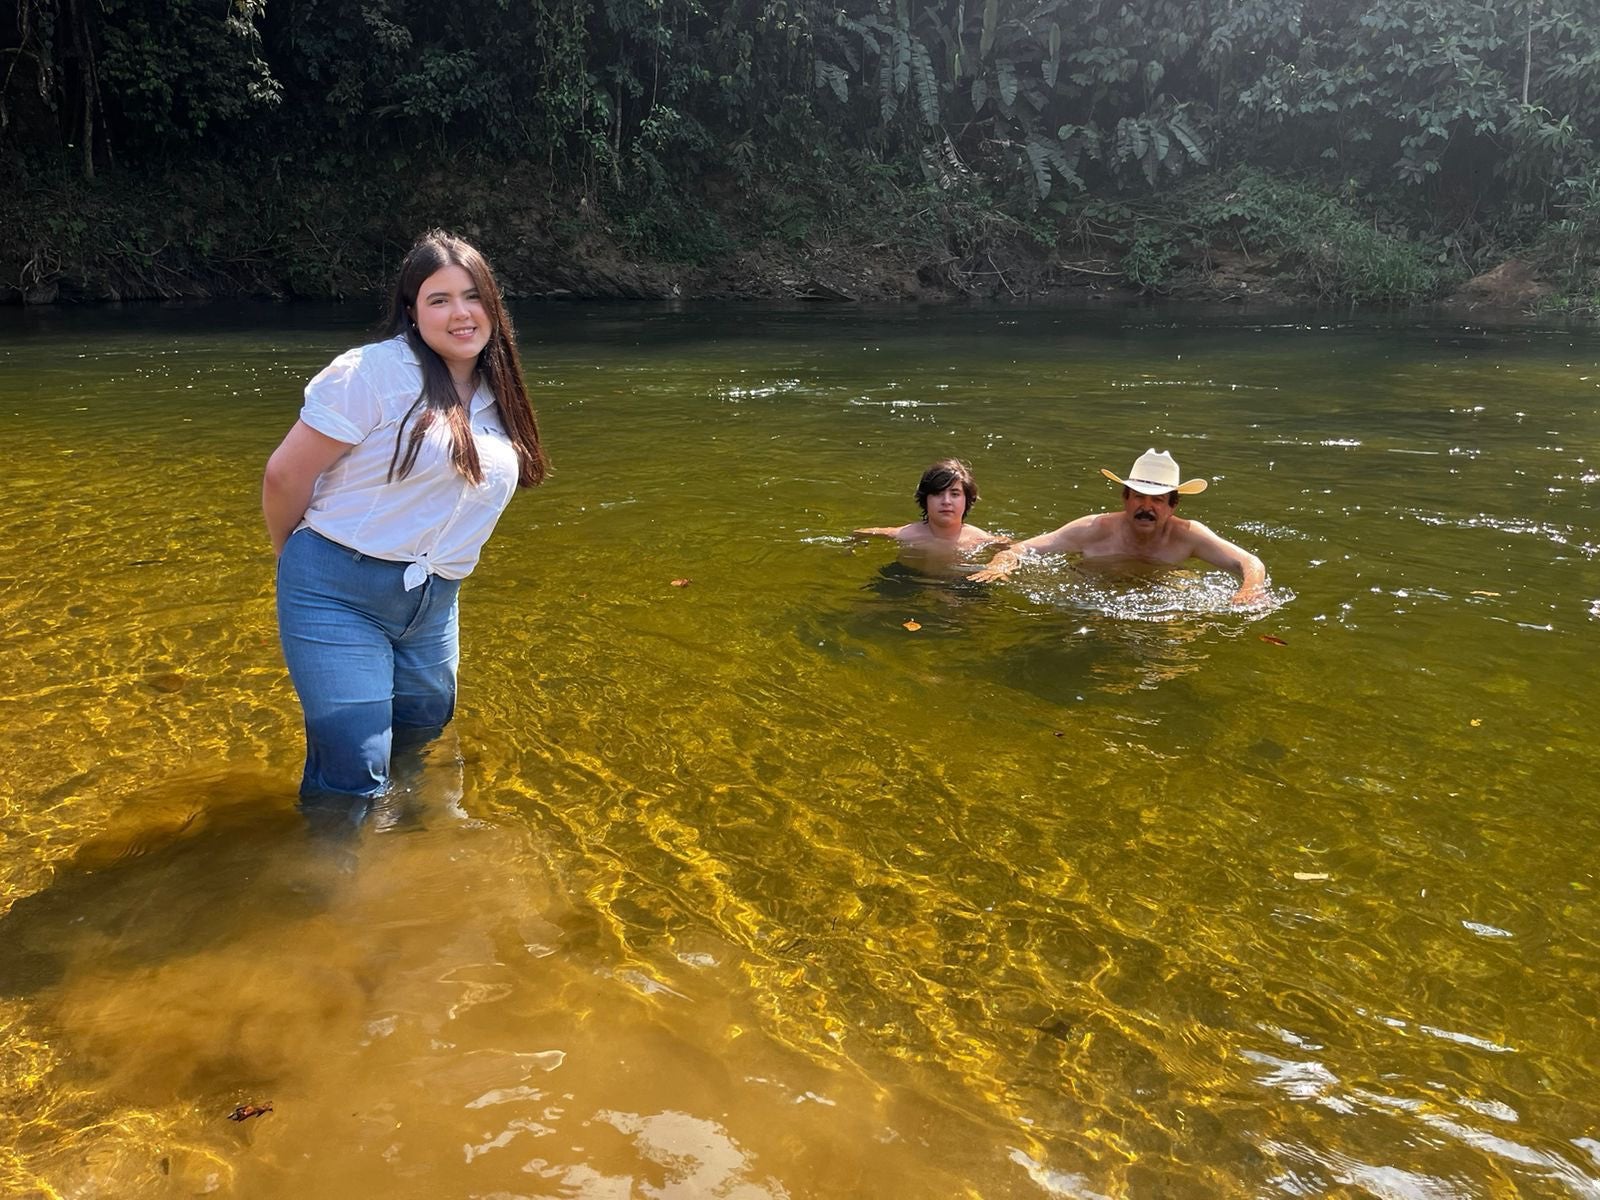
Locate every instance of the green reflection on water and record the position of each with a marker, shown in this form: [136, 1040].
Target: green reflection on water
[1081, 888]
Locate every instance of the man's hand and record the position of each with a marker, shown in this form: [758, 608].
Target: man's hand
[1252, 593]
[999, 567]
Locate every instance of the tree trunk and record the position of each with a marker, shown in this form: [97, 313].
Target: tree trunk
[82, 43]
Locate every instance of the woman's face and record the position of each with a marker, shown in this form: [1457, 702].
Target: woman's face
[451, 318]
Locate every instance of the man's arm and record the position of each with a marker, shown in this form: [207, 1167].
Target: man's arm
[973, 538]
[1069, 539]
[1220, 552]
[291, 477]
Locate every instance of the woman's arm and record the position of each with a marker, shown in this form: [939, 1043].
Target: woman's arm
[291, 476]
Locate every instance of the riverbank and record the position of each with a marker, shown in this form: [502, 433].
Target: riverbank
[1239, 236]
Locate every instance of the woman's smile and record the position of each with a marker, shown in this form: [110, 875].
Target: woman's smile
[451, 317]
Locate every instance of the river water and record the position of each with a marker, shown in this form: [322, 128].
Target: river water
[1085, 886]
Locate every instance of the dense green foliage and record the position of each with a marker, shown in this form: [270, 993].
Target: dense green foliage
[1476, 118]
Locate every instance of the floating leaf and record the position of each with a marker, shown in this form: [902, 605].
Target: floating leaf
[1485, 593]
[1311, 876]
[682, 582]
[245, 1111]
[913, 625]
[1276, 641]
[1476, 721]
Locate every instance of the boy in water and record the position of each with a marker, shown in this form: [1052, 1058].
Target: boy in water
[945, 495]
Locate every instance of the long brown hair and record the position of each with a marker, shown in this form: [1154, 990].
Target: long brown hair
[498, 363]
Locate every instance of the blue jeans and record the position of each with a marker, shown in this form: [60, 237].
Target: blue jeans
[373, 663]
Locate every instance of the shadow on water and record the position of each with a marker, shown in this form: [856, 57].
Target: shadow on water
[203, 941]
[1066, 636]
[221, 856]
[225, 854]
[1126, 627]
[944, 600]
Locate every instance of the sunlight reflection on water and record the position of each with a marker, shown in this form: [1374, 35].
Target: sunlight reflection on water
[816, 876]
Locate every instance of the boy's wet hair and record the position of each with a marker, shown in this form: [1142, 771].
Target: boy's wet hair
[940, 476]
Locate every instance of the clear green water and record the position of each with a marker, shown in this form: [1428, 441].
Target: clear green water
[742, 889]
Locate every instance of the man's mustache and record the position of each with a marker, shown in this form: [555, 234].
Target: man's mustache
[1144, 514]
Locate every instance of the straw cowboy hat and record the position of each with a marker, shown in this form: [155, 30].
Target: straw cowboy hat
[1156, 475]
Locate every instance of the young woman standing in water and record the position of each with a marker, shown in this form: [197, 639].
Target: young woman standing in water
[378, 503]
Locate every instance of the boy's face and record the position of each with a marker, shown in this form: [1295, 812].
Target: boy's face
[948, 505]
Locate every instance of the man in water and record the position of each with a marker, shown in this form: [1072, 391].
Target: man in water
[945, 495]
[1146, 530]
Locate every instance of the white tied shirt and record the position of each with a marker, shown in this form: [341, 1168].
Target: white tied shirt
[435, 519]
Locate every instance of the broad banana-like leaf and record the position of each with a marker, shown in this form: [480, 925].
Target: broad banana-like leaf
[1039, 158]
[991, 21]
[1152, 157]
[1006, 77]
[863, 31]
[887, 106]
[927, 84]
[1180, 129]
[902, 62]
[835, 80]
